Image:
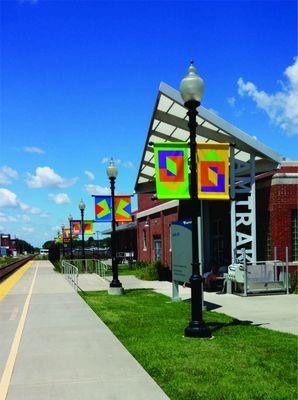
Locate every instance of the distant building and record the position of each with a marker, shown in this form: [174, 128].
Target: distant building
[6, 244]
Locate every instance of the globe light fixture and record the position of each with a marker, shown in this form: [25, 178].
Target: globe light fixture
[192, 85]
[82, 205]
[112, 170]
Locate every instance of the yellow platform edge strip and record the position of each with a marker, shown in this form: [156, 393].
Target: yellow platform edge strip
[9, 283]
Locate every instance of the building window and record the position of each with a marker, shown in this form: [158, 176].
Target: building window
[144, 239]
[217, 241]
[157, 247]
[295, 235]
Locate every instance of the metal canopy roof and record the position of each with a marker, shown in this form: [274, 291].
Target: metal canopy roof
[125, 227]
[169, 123]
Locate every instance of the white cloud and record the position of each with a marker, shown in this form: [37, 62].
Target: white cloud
[281, 107]
[8, 198]
[33, 149]
[44, 215]
[90, 175]
[35, 210]
[26, 218]
[231, 101]
[60, 198]
[46, 177]
[27, 229]
[95, 189]
[7, 218]
[128, 164]
[105, 160]
[7, 173]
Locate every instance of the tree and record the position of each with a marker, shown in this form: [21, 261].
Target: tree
[48, 244]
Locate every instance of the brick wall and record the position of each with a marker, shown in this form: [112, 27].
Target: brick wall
[159, 227]
[283, 199]
[145, 201]
[274, 203]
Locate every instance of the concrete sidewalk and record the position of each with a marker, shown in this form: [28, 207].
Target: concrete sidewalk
[278, 312]
[66, 352]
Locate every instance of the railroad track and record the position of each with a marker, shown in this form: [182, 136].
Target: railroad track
[9, 269]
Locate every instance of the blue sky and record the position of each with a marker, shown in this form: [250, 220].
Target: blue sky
[79, 81]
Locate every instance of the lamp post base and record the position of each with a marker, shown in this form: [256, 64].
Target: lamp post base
[116, 290]
[198, 329]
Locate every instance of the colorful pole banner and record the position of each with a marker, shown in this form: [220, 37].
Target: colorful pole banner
[123, 208]
[171, 170]
[59, 238]
[77, 229]
[88, 227]
[213, 171]
[66, 232]
[103, 208]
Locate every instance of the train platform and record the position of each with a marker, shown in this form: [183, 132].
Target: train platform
[53, 346]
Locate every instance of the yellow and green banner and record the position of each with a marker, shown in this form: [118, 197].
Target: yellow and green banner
[213, 171]
[77, 228]
[171, 170]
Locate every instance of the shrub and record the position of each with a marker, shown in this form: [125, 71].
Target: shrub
[164, 272]
[148, 273]
[141, 264]
[54, 254]
[57, 266]
[293, 280]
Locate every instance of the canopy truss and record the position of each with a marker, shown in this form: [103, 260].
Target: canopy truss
[169, 123]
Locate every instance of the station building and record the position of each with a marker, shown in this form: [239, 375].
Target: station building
[261, 215]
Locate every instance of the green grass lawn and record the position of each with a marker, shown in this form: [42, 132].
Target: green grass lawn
[242, 361]
[123, 269]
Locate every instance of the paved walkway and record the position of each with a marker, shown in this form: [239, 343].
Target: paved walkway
[65, 351]
[278, 312]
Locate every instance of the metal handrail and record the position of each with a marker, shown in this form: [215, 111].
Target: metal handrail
[101, 268]
[71, 273]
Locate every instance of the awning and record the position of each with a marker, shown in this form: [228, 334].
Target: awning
[125, 227]
[169, 123]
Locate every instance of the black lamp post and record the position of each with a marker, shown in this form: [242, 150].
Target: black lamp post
[82, 208]
[63, 251]
[70, 218]
[192, 89]
[115, 285]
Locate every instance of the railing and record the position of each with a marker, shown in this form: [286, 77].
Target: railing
[71, 273]
[260, 276]
[90, 265]
[101, 269]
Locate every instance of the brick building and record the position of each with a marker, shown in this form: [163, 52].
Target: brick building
[261, 213]
[277, 222]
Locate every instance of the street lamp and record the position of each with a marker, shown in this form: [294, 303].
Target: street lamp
[82, 207]
[70, 218]
[115, 285]
[63, 253]
[192, 89]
